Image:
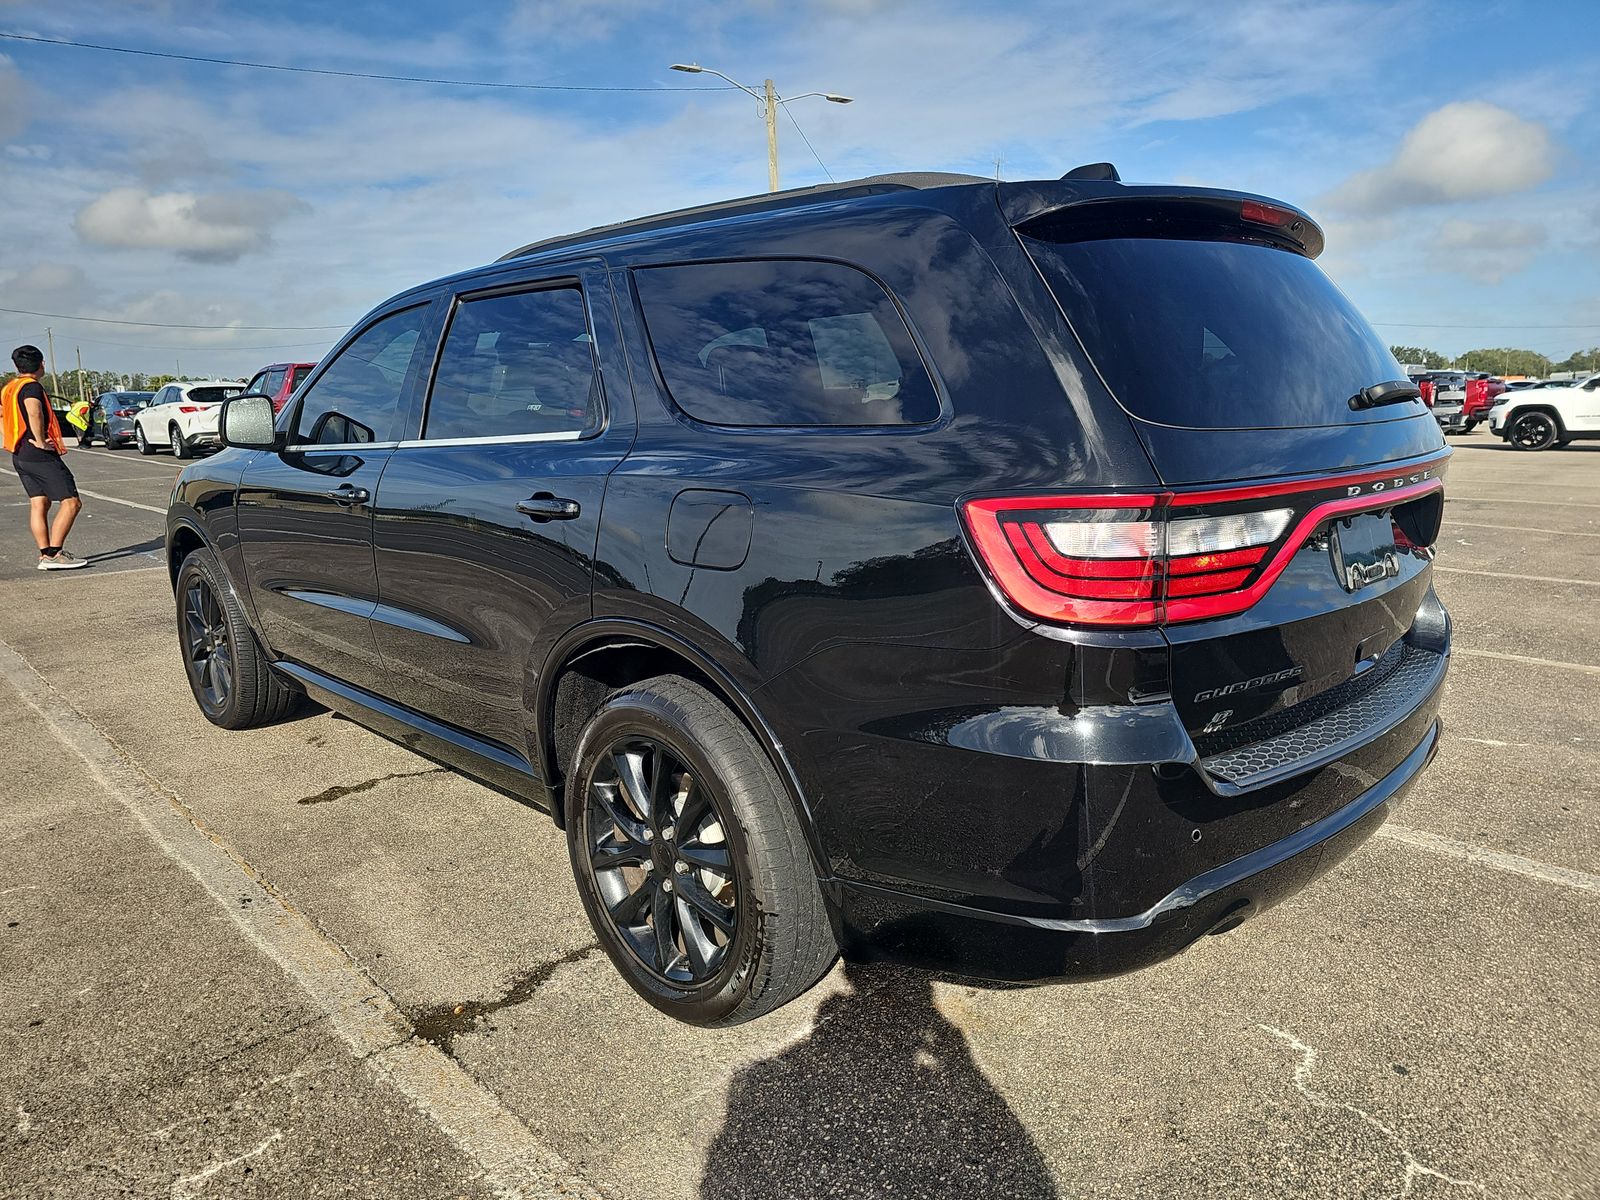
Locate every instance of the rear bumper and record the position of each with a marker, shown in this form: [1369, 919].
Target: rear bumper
[881, 923]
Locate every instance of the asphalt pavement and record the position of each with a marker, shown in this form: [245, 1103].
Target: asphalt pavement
[302, 961]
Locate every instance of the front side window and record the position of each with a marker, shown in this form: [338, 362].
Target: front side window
[516, 365]
[783, 343]
[357, 400]
[258, 384]
[272, 382]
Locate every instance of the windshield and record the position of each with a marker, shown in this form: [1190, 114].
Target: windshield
[212, 395]
[1218, 334]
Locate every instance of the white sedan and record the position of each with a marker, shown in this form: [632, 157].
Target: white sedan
[183, 416]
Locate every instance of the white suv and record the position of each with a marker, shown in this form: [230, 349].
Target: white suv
[183, 416]
[1539, 418]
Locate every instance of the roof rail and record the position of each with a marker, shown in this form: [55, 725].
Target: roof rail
[873, 185]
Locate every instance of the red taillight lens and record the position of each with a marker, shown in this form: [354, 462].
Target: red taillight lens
[124, 412]
[1140, 560]
[1268, 214]
[191, 408]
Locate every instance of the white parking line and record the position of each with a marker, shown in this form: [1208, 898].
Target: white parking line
[513, 1161]
[160, 512]
[122, 456]
[1457, 497]
[1524, 529]
[1499, 860]
[1526, 659]
[1509, 575]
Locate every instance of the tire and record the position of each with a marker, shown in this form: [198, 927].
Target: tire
[1533, 431]
[240, 690]
[141, 441]
[774, 940]
[180, 448]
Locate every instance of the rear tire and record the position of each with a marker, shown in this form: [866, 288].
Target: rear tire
[228, 672]
[141, 441]
[666, 779]
[180, 448]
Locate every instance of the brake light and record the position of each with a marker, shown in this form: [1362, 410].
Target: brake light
[124, 412]
[191, 408]
[1268, 214]
[1141, 560]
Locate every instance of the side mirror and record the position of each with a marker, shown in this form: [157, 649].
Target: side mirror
[247, 422]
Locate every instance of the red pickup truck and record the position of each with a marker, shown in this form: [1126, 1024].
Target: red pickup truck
[279, 381]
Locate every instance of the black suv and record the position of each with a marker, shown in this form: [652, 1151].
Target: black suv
[1020, 579]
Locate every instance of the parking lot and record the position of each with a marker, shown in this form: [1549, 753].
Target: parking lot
[304, 961]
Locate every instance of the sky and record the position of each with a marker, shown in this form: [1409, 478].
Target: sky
[1450, 149]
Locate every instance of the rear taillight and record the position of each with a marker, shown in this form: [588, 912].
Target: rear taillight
[191, 408]
[1133, 560]
[124, 412]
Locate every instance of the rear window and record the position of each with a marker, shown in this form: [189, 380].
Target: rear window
[1217, 334]
[299, 377]
[212, 395]
[783, 343]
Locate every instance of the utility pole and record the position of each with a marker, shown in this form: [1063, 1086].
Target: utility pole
[50, 341]
[772, 138]
[79, 352]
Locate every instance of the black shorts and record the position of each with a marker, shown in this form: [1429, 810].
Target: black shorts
[45, 476]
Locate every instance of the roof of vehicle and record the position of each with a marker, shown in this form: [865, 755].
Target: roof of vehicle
[1018, 202]
[285, 365]
[194, 383]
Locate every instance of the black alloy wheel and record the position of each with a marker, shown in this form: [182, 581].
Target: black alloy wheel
[690, 858]
[661, 862]
[1534, 431]
[208, 648]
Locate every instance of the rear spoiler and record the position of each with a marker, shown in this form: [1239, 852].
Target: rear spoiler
[1067, 201]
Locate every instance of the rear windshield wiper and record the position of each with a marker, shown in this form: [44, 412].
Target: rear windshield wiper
[1385, 393]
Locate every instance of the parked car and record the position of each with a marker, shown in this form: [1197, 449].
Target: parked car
[1548, 417]
[878, 566]
[183, 416]
[1447, 394]
[111, 418]
[279, 381]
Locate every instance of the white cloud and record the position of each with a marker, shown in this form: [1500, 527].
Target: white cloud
[218, 227]
[1468, 150]
[13, 100]
[1487, 251]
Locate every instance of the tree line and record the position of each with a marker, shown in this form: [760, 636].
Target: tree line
[1502, 360]
[67, 383]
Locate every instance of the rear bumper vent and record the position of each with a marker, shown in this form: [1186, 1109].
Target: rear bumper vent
[1340, 720]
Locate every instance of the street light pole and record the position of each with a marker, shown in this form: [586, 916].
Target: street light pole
[769, 100]
[772, 138]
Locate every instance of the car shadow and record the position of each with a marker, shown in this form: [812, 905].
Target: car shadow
[883, 1098]
[146, 547]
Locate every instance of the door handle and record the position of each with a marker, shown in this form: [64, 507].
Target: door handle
[346, 494]
[542, 506]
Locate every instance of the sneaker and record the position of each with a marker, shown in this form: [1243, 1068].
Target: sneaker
[61, 562]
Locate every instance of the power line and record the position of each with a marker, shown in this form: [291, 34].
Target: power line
[256, 66]
[28, 312]
[809, 146]
[201, 349]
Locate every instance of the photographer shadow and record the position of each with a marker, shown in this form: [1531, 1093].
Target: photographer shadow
[882, 1099]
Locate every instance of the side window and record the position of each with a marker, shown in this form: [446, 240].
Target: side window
[515, 365]
[358, 397]
[272, 382]
[258, 384]
[783, 343]
[300, 374]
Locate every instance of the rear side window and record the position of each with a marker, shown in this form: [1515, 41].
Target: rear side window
[514, 366]
[1217, 334]
[783, 343]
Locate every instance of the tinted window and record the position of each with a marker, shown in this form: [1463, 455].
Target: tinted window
[358, 397]
[1217, 334]
[300, 374]
[272, 384]
[213, 395]
[257, 384]
[515, 365]
[783, 343]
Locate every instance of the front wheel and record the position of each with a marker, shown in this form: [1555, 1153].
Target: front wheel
[228, 672]
[1534, 431]
[690, 859]
[141, 441]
